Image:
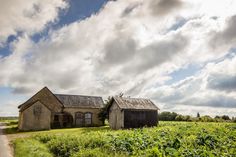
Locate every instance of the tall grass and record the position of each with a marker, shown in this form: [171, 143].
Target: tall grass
[30, 148]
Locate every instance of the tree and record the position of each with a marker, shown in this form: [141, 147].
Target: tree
[179, 118]
[103, 114]
[167, 116]
[187, 118]
[225, 117]
[206, 118]
[198, 115]
[234, 119]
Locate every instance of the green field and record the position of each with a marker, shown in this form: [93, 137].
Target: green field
[190, 139]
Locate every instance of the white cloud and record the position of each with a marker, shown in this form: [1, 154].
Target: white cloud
[127, 47]
[27, 16]
[200, 91]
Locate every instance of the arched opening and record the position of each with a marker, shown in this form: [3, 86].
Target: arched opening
[79, 119]
[88, 118]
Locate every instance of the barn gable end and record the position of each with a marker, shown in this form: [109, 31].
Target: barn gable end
[116, 116]
[47, 98]
[38, 117]
[132, 113]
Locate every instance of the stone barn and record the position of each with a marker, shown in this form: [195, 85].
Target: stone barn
[132, 113]
[46, 110]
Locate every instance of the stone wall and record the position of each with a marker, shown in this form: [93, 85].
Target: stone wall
[35, 117]
[94, 111]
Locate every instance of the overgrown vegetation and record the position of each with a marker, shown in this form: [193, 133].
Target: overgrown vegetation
[12, 125]
[168, 139]
[30, 148]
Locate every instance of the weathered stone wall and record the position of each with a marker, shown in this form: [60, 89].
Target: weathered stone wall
[94, 111]
[35, 117]
[116, 117]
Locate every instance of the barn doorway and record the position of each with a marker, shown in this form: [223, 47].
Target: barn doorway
[137, 119]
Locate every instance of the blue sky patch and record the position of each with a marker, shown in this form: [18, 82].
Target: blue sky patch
[5, 51]
[178, 24]
[183, 73]
[6, 95]
[79, 10]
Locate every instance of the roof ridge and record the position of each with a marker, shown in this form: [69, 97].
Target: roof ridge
[132, 98]
[134, 103]
[78, 95]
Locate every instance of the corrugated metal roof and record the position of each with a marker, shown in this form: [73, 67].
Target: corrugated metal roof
[135, 103]
[81, 101]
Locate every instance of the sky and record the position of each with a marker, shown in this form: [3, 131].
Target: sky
[181, 54]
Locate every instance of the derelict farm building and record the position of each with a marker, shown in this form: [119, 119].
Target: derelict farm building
[46, 110]
[132, 113]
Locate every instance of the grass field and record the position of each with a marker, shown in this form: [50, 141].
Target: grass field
[168, 139]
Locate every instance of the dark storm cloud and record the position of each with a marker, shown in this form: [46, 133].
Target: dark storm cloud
[163, 7]
[226, 36]
[222, 82]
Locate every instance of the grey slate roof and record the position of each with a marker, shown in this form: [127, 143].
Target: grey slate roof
[135, 103]
[80, 101]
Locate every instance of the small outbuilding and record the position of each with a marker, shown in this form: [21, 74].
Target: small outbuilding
[46, 110]
[125, 112]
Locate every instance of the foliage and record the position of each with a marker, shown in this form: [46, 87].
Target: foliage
[167, 139]
[103, 114]
[167, 116]
[172, 116]
[234, 119]
[12, 126]
[225, 117]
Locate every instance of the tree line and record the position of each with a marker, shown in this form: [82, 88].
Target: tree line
[8, 118]
[172, 116]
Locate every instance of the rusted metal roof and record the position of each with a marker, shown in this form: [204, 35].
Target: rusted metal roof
[135, 103]
[80, 101]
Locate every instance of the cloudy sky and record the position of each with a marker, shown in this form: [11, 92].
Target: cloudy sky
[179, 53]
